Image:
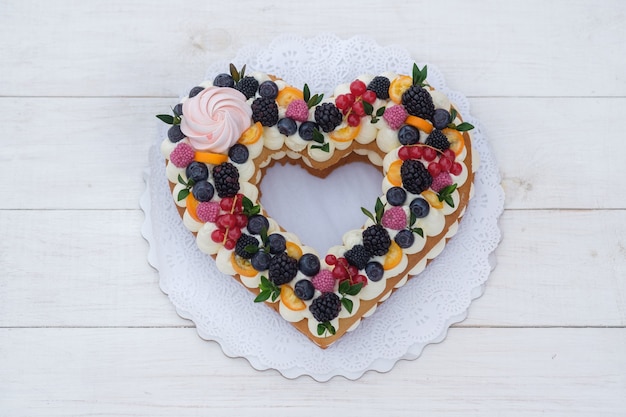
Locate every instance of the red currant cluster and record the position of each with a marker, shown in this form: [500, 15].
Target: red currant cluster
[342, 270]
[230, 223]
[351, 104]
[435, 167]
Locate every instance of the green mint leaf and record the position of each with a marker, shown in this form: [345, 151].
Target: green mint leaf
[325, 147]
[416, 74]
[367, 107]
[448, 190]
[306, 93]
[233, 72]
[380, 111]
[315, 100]
[464, 127]
[317, 136]
[449, 201]
[453, 114]
[166, 118]
[330, 328]
[251, 249]
[368, 214]
[423, 74]
[263, 235]
[242, 73]
[181, 180]
[247, 203]
[379, 208]
[344, 286]
[347, 303]
[321, 329]
[182, 194]
[275, 295]
[412, 219]
[354, 289]
[418, 230]
[263, 296]
[265, 283]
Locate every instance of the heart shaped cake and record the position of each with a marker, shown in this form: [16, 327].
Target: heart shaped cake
[229, 130]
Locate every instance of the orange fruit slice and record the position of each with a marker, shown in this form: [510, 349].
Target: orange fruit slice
[457, 143]
[422, 124]
[345, 134]
[293, 250]
[192, 207]
[432, 199]
[398, 87]
[210, 157]
[287, 95]
[251, 134]
[393, 257]
[393, 175]
[290, 299]
[242, 266]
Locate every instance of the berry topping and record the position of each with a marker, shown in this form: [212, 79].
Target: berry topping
[174, 134]
[178, 109]
[328, 116]
[418, 102]
[330, 259]
[238, 153]
[415, 177]
[326, 307]
[257, 223]
[268, 89]
[357, 256]
[224, 80]
[396, 196]
[441, 118]
[182, 155]
[306, 130]
[369, 96]
[404, 238]
[324, 281]
[376, 240]
[429, 154]
[437, 140]
[380, 86]
[208, 211]
[265, 110]
[456, 168]
[374, 271]
[226, 178]
[394, 218]
[309, 264]
[441, 181]
[395, 116]
[276, 243]
[434, 168]
[282, 269]
[298, 110]
[408, 135]
[244, 246]
[419, 207]
[287, 126]
[203, 191]
[247, 86]
[197, 171]
[195, 91]
[357, 87]
[304, 289]
[261, 260]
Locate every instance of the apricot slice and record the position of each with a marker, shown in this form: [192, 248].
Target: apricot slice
[422, 124]
[457, 143]
[393, 257]
[251, 134]
[287, 95]
[192, 207]
[345, 134]
[398, 86]
[210, 157]
[432, 199]
[393, 175]
[293, 250]
[242, 266]
[290, 299]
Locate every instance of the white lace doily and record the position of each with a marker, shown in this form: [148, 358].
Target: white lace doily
[416, 315]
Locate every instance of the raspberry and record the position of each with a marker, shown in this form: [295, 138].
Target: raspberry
[298, 110]
[208, 212]
[395, 116]
[394, 218]
[182, 155]
[324, 281]
[441, 181]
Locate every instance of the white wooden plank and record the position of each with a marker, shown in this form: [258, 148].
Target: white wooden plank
[88, 268]
[139, 48]
[164, 372]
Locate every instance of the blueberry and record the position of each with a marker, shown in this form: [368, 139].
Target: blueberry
[268, 89]
[396, 196]
[304, 289]
[419, 207]
[287, 126]
[256, 223]
[175, 134]
[309, 264]
[197, 171]
[408, 135]
[404, 238]
[178, 109]
[441, 118]
[374, 271]
[306, 130]
[238, 153]
[195, 91]
[203, 191]
[277, 243]
[260, 260]
[224, 80]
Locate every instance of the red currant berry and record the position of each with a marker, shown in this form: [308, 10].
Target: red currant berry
[330, 259]
[359, 279]
[415, 152]
[343, 262]
[357, 87]
[339, 272]
[449, 153]
[354, 120]
[358, 108]
[239, 203]
[229, 244]
[226, 220]
[445, 164]
[404, 153]
[350, 98]
[242, 220]
[226, 203]
[342, 102]
[234, 233]
[353, 271]
[217, 236]
[429, 154]
[369, 96]
[434, 168]
[456, 169]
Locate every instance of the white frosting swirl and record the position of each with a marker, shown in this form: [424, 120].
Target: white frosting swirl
[214, 119]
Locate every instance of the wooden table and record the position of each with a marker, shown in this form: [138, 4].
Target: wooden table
[84, 328]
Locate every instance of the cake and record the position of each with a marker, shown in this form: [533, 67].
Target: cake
[229, 130]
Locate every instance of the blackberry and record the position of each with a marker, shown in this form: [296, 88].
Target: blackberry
[224, 80]
[438, 140]
[415, 176]
[226, 178]
[326, 307]
[247, 86]
[376, 240]
[265, 110]
[244, 241]
[357, 256]
[418, 102]
[380, 85]
[238, 153]
[174, 134]
[328, 116]
[195, 91]
[283, 268]
[441, 118]
[197, 171]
